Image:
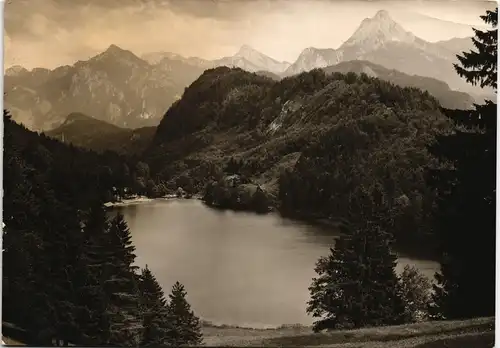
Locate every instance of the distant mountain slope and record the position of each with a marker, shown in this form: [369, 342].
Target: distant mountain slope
[383, 41]
[87, 132]
[154, 58]
[455, 45]
[115, 86]
[269, 74]
[439, 89]
[247, 58]
[180, 70]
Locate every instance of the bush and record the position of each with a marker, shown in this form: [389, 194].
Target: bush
[416, 292]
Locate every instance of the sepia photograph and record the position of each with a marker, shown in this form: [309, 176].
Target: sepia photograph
[249, 173]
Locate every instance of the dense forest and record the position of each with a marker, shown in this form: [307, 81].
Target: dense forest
[388, 162]
[467, 192]
[90, 133]
[357, 285]
[68, 271]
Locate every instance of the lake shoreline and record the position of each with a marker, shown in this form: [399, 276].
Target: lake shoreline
[317, 221]
[222, 256]
[320, 221]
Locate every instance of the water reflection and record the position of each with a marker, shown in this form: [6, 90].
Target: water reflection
[239, 268]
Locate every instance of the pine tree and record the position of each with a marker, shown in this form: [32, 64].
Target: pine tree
[357, 284]
[156, 319]
[94, 322]
[66, 270]
[42, 242]
[467, 194]
[481, 66]
[186, 328]
[22, 245]
[121, 286]
[59, 282]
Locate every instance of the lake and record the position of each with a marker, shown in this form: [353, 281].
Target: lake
[238, 268]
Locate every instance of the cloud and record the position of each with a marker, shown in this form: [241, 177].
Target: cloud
[58, 35]
[50, 33]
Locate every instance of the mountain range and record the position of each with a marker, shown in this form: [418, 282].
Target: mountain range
[247, 58]
[383, 41]
[115, 86]
[128, 91]
[88, 132]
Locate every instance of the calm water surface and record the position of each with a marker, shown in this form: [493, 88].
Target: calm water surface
[238, 268]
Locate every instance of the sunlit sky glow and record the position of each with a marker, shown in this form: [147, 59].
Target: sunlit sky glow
[50, 33]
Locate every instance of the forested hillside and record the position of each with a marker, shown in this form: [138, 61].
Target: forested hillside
[312, 141]
[88, 176]
[89, 133]
[439, 89]
[68, 271]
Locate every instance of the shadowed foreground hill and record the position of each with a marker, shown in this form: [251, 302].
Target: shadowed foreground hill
[311, 140]
[90, 133]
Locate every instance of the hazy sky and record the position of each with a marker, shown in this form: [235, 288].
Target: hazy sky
[49, 33]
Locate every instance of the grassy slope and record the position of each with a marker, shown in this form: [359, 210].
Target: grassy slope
[477, 333]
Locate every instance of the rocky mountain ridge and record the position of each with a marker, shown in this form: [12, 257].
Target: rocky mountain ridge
[115, 86]
[246, 58]
[385, 42]
[121, 88]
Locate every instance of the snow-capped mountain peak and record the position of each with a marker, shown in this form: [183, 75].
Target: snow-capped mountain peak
[378, 30]
[257, 60]
[246, 51]
[313, 57]
[373, 33]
